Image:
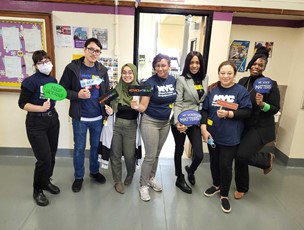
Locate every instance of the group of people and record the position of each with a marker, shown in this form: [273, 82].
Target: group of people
[238, 134]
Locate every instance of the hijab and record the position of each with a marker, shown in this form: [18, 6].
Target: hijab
[122, 88]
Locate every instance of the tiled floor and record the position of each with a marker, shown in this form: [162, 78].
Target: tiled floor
[275, 201]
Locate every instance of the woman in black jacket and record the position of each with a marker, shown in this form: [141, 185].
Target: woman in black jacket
[259, 128]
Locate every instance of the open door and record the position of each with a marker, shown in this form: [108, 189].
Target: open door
[173, 32]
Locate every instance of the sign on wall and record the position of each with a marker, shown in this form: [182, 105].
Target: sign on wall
[238, 54]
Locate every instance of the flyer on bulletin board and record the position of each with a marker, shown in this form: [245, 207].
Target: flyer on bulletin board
[64, 36]
[80, 35]
[238, 54]
[102, 36]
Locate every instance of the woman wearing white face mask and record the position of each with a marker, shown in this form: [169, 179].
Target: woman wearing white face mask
[42, 125]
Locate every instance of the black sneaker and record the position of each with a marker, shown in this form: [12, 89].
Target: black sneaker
[211, 191]
[98, 177]
[77, 184]
[225, 205]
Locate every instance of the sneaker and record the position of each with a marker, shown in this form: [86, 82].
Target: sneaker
[225, 205]
[144, 193]
[77, 184]
[98, 177]
[153, 184]
[211, 191]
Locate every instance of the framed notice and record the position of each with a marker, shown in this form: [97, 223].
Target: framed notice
[20, 35]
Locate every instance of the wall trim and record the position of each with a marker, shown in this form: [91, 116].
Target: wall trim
[267, 22]
[27, 152]
[169, 5]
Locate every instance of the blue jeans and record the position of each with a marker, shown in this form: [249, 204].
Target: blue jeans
[80, 135]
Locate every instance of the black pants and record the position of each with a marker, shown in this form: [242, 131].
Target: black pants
[42, 133]
[195, 138]
[249, 154]
[221, 160]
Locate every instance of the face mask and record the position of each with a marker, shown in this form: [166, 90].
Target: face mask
[45, 68]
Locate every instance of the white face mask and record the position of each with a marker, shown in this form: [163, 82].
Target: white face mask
[45, 68]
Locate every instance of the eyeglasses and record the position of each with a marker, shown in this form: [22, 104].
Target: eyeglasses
[46, 61]
[92, 51]
[127, 72]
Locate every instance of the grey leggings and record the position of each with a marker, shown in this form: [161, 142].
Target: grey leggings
[154, 134]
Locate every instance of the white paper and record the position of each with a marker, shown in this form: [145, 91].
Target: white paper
[30, 69]
[32, 38]
[11, 40]
[12, 67]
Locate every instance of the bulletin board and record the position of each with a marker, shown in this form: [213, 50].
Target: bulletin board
[20, 35]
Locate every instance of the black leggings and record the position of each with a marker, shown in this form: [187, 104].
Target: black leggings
[195, 138]
[249, 154]
[221, 160]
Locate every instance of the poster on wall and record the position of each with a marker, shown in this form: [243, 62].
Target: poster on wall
[80, 35]
[64, 36]
[112, 65]
[238, 54]
[102, 36]
[268, 45]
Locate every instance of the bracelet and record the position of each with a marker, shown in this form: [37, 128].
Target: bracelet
[266, 107]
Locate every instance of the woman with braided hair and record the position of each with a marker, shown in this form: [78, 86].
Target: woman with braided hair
[259, 128]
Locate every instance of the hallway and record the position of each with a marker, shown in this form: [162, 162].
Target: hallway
[275, 201]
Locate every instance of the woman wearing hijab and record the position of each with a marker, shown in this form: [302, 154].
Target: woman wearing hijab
[259, 128]
[125, 126]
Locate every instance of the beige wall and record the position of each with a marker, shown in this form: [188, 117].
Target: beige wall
[219, 46]
[281, 36]
[173, 36]
[291, 130]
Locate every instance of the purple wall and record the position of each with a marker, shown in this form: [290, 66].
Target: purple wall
[268, 22]
[47, 7]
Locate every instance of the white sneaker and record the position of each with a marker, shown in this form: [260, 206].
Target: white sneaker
[144, 193]
[153, 184]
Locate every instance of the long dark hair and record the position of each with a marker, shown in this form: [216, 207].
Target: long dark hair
[202, 70]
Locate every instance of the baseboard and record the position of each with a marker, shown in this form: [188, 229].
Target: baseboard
[6, 151]
[290, 162]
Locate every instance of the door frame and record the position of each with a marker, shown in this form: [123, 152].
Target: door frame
[207, 14]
